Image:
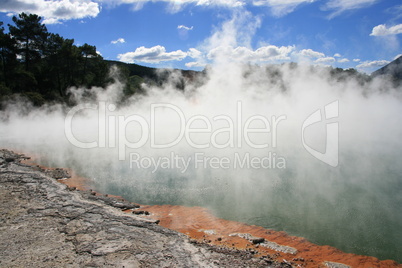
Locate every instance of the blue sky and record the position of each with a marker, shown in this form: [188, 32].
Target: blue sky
[188, 34]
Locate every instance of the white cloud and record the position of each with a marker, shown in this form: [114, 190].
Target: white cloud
[344, 60]
[184, 31]
[395, 12]
[325, 60]
[356, 60]
[120, 40]
[56, 11]
[281, 7]
[264, 54]
[198, 56]
[397, 56]
[175, 6]
[183, 27]
[278, 7]
[243, 54]
[340, 6]
[311, 53]
[372, 64]
[381, 30]
[154, 54]
[53, 11]
[337, 55]
[194, 53]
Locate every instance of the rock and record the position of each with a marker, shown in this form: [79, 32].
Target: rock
[9, 159]
[57, 173]
[266, 243]
[110, 201]
[330, 264]
[140, 212]
[257, 240]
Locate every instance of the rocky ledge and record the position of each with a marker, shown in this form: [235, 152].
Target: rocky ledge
[44, 223]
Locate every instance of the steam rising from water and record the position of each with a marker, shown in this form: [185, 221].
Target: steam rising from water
[354, 206]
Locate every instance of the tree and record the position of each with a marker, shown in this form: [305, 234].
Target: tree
[53, 62]
[31, 36]
[42, 66]
[87, 51]
[8, 56]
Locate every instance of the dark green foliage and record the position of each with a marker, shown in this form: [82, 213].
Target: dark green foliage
[8, 54]
[41, 66]
[135, 69]
[133, 85]
[340, 75]
[154, 76]
[35, 98]
[30, 36]
[4, 90]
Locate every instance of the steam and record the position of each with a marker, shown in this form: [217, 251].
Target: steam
[354, 206]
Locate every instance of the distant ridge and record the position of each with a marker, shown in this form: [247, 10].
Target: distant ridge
[393, 69]
[135, 69]
[149, 72]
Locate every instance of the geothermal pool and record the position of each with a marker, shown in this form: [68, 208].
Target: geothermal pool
[254, 165]
[342, 209]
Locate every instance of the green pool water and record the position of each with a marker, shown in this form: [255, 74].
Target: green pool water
[355, 207]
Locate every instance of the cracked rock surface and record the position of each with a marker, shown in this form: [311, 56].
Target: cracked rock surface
[43, 224]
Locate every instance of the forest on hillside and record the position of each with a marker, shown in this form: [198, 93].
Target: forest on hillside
[39, 66]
